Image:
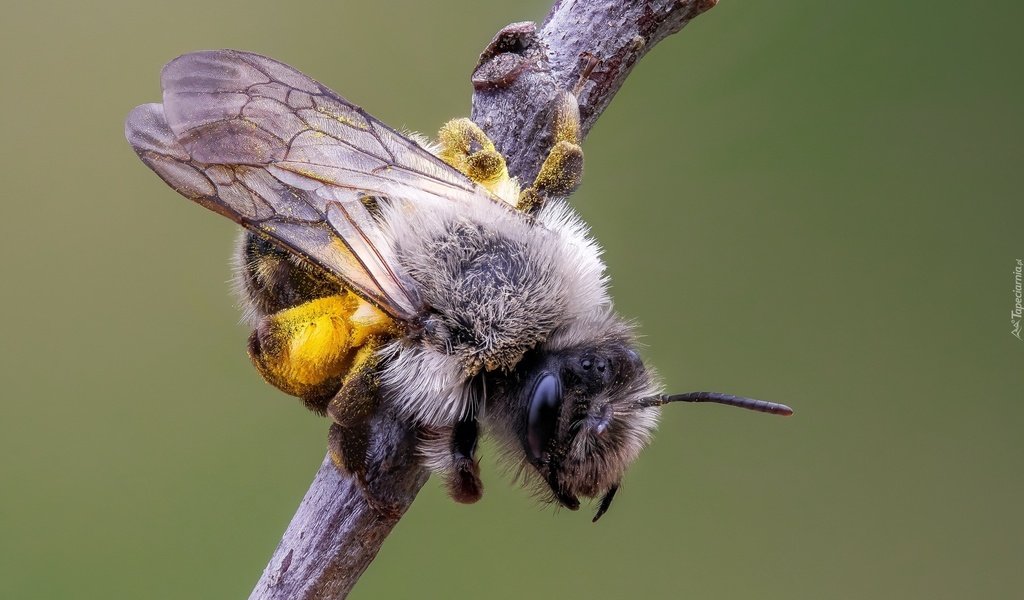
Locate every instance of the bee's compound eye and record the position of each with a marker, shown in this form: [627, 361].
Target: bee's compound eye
[542, 420]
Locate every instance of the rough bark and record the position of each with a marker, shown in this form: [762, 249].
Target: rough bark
[335, 534]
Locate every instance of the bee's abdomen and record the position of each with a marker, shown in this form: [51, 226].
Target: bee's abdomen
[272, 280]
[310, 333]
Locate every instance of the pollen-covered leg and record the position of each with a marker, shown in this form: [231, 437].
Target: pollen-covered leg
[307, 350]
[562, 170]
[466, 147]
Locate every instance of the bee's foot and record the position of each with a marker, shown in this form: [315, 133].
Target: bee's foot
[463, 481]
[385, 510]
[348, 449]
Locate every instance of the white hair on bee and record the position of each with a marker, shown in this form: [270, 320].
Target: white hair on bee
[508, 190]
[434, 447]
[424, 384]
[424, 141]
[580, 258]
[241, 285]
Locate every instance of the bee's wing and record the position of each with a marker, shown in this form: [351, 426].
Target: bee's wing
[282, 155]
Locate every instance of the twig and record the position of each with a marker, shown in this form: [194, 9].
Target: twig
[335, 534]
[523, 69]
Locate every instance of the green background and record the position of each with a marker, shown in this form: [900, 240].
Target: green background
[810, 202]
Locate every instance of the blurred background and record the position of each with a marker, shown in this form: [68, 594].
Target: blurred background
[811, 202]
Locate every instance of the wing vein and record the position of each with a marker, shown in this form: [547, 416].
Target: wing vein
[258, 119]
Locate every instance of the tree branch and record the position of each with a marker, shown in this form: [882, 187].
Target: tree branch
[335, 534]
[523, 69]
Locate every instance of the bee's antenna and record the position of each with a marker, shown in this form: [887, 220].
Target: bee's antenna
[718, 398]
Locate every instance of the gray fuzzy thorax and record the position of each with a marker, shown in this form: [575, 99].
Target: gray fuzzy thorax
[491, 294]
[495, 285]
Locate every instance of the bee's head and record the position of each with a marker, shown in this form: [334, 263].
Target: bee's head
[575, 415]
[582, 414]
[584, 420]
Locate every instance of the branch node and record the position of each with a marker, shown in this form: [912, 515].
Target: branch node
[515, 38]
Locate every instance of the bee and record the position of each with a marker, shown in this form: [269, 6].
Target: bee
[379, 269]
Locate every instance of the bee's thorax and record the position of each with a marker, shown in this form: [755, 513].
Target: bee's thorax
[494, 286]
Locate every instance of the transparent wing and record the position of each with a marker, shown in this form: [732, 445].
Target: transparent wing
[282, 155]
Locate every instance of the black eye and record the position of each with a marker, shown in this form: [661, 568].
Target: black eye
[586, 363]
[543, 415]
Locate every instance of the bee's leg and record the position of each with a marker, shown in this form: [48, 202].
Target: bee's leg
[562, 170]
[349, 438]
[351, 409]
[277, 290]
[606, 502]
[463, 480]
[305, 350]
[466, 147]
[310, 349]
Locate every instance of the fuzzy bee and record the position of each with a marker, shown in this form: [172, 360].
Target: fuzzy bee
[378, 270]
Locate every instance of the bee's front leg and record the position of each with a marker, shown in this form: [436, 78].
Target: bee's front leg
[463, 480]
[463, 145]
